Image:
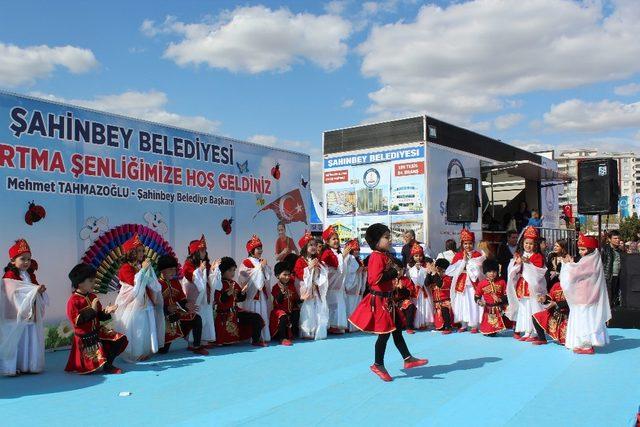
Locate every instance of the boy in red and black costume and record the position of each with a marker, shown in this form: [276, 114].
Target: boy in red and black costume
[180, 315]
[377, 311]
[285, 317]
[554, 318]
[440, 287]
[404, 291]
[491, 294]
[234, 324]
[93, 346]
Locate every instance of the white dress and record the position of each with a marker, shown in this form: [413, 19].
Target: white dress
[424, 304]
[336, 296]
[139, 316]
[585, 289]
[521, 310]
[463, 303]
[21, 326]
[314, 313]
[259, 280]
[196, 293]
[353, 285]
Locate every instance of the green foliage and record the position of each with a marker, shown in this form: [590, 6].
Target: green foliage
[630, 227]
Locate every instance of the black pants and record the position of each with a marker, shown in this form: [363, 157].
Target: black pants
[255, 321]
[541, 334]
[288, 326]
[446, 314]
[614, 291]
[398, 340]
[196, 331]
[409, 315]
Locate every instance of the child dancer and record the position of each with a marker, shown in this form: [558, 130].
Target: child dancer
[333, 260]
[354, 278]
[22, 304]
[198, 288]
[403, 296]
[255, 273]
[140, 312]
[525, 283]
[418, 273]
[234, 324]
[491, 294]
[465, 272]
[377, 310]
[314, 284]
[285, 316]
[554, 318]
[440, 286]
[181, 315]
[585, 289]
[93, 346]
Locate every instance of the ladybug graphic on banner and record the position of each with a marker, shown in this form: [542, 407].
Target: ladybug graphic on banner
[275, 171]
[226, 225]
[34, 214]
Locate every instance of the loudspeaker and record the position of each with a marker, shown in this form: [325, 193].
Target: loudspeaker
[630, 280]
[598, 190]
[462, 200]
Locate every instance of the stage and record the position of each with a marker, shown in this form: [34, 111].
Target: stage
[471, 380]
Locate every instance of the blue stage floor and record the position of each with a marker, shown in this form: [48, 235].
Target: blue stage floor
[471, 380]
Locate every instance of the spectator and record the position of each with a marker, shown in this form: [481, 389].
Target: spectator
[544, 248]
[522, 216]
[409, 238]
[506, 251]
[536, 219]
[450, 250]
[483, 246]
[611, 257]
[559, 255]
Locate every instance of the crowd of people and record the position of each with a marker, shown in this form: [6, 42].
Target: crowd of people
[318, 288]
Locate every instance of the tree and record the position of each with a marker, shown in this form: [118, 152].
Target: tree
[630, 227]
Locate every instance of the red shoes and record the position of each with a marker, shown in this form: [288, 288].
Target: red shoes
[474, 330]
[584, 350]
[112, 370]
[446, 332]
[413, 362]
[462, 329]
[209, 346]
[517, 336]
[530, 339]
[286, 342]
[260, 344]
[381, 372]
[539, 342]
[201, 351]
[336, 331]
[411, 331]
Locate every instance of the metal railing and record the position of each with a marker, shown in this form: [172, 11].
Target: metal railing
[553, 234]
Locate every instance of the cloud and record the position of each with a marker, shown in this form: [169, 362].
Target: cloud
[583, 116]
[507, 121]
[19, 66]
[142, 105]
[335, 7]
[347, 103]
[257, 39]
[314, 152]
[627, 90]
[468, 58]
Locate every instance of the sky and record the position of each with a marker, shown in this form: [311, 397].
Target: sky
[540, 74]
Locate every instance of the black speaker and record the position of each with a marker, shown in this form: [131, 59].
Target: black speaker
[630, 280]
[462, 200]
[598, 190]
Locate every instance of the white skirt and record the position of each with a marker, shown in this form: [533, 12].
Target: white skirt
[527, 307]
[29, 356]
[352, 303]
[336, 299]
[465, 308]
[314, 319]
[142, 334]
[582, 331]
[208, 326]
[424, 309]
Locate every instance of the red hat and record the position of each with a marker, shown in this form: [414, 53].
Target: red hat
[20, 247]
[353, 244]
[531, 232]
[196, 245]
[305, 239]
[131, 244]
[416, 249]
[255, 242]
[467, 236]
[330, 231]
[589, 242]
